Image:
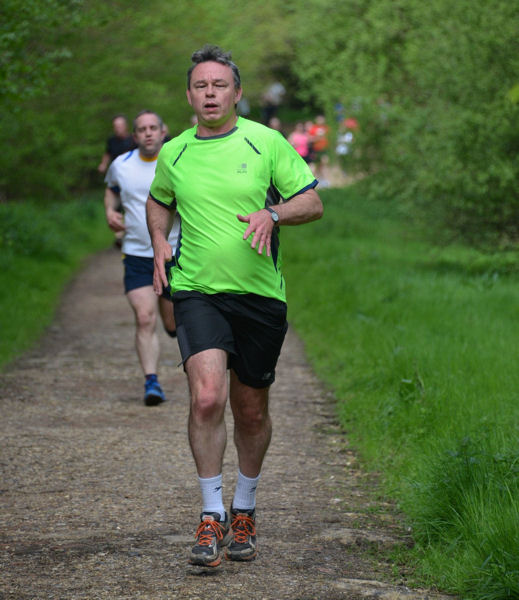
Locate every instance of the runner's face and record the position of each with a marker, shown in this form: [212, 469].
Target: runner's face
[213, 96]
[120, 127]
[148, 135]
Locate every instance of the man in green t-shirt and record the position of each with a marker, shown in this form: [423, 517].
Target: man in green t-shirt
[234, 183]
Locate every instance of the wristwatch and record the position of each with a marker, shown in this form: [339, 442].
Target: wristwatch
[273, 214]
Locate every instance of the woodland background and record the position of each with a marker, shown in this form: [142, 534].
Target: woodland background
[434, 86]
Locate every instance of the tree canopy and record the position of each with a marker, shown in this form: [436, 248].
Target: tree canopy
[433, 85]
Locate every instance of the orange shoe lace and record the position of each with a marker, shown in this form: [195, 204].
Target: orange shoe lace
[206, 530]
[242, 526]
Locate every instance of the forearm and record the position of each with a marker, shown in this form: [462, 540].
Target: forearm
[300, 209]
[103, 165]
[159, 220]
[114, 218]
[112, 201]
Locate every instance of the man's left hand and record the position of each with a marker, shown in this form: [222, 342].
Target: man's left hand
[261, 225]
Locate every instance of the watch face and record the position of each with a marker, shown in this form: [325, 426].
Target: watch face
[273, 214]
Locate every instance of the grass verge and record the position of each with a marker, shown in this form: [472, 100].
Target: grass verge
[419, 344]
[40, 248]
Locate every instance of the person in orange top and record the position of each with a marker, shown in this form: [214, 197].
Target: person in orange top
[318, 133]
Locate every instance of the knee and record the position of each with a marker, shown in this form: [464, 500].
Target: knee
[208, 405]
[146, 319]
[251, 420]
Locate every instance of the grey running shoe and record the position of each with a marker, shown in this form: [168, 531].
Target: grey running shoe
[243, 545]
[210, 536]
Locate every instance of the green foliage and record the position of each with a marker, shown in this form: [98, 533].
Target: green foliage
[419, 345]
[40, 248]
[432, 85]
[27, 229]
[122, 57]
[29, 48]
[467, 503]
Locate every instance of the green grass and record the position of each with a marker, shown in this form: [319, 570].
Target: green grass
[41, 247]
[419, 344]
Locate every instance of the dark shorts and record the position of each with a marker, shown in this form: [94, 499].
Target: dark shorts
[250, 328]
[138, 272]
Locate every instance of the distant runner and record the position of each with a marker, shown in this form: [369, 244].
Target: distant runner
[128, 182]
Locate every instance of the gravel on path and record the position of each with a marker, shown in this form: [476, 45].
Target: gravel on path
[99, 495]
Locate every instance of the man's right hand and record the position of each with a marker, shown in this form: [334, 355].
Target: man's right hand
[115, 220]
[157, 219]
[162, 254]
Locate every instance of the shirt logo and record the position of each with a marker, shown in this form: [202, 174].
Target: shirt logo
[242, 168]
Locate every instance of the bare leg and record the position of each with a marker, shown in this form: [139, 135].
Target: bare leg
[207, 375]
[145, 307]
[252, 425]
[166, 313]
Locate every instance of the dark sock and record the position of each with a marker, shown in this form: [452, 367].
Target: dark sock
[151, 377]
[172, 334]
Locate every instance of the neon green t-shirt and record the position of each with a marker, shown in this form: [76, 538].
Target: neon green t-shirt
[210, 181]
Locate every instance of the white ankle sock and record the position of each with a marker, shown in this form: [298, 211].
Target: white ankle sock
[212, 495]
[245, 494]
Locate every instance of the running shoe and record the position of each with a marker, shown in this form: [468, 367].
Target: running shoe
[153, 394]
[243, 545]
[210, 536]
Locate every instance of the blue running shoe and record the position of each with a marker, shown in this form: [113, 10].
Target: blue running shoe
[153, 394]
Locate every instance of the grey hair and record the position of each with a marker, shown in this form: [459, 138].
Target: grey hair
[148, 112]
[210, 52]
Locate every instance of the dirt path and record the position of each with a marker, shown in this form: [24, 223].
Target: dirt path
[99, 497]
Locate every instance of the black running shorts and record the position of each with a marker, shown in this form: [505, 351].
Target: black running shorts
[138, 272]
[250, 328]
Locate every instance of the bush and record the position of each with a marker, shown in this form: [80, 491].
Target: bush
[40, 247]
[434, 88]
